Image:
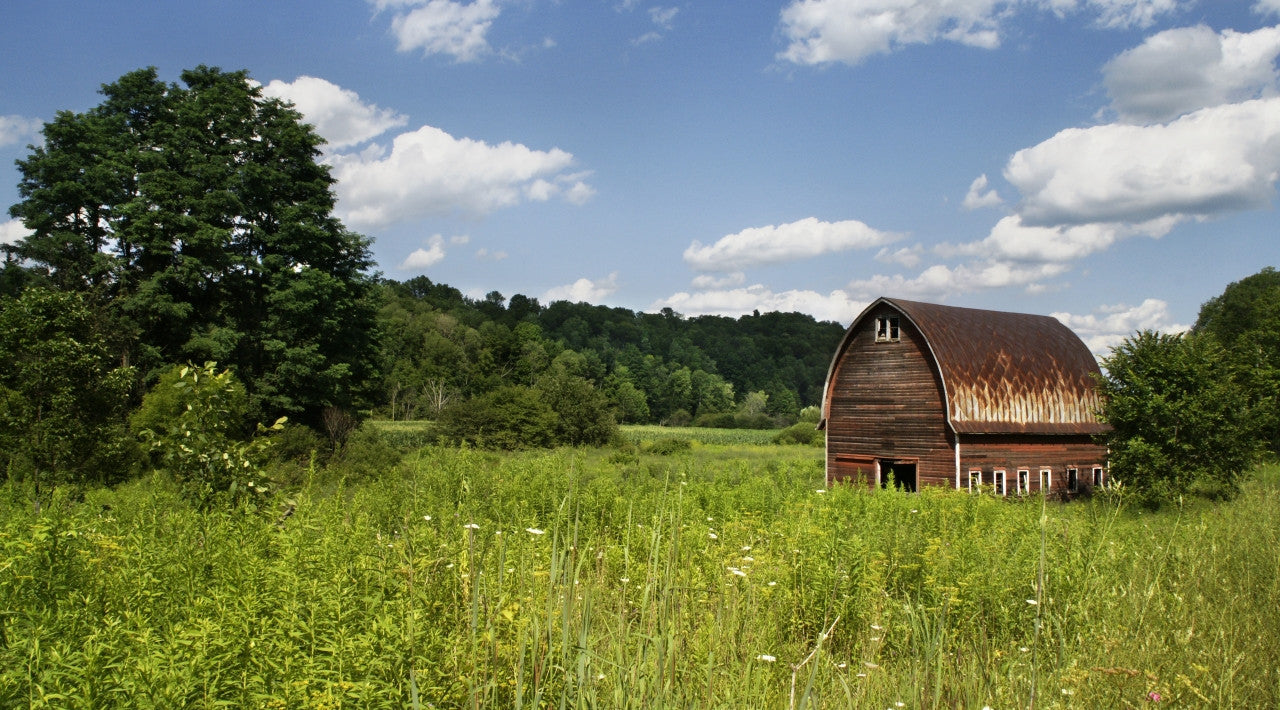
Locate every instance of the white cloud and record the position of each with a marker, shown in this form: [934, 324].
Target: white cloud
[802, 239]
[429, 172]
[484, 254]
[849, 31]
[337, 113]
[1012, 240]
[1108, 326]
[834, 306]
[980, 196]
[940, 281]
[19, 129]
[906, 256]
[12, 231]
[1213, 161]
[709, 281]
[823, 31]
[422, 258]
[442, 26]
[583, 290]
[663, 16]
[1265, 7]
[1182, 70]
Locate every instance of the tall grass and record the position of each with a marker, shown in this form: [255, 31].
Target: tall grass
[567, 579]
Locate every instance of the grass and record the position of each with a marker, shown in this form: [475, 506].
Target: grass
[721, 576]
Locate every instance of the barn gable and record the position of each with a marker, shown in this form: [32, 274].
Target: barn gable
[936, 389]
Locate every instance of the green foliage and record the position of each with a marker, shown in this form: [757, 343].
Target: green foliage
[192, 421]
[62, 400]
[666, 446]
[718, 579]
[800, 433]
[199, 221]
[1178, 416]
[1245, 320]
[510, 417]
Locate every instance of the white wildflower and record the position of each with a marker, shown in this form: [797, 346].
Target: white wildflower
[471, 526]
[427, 518]
[737, 572]
[773, 584]
[1032, 602]
[766, 658]
[748, 559]
[534, 531]
[713, 536]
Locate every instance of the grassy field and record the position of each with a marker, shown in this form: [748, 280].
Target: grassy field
[725, 575]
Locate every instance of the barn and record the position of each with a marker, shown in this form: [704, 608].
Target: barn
[920, 394]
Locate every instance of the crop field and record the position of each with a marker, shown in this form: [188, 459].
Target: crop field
[721, 575]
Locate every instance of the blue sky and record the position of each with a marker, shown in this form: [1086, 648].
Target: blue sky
[1110, 162]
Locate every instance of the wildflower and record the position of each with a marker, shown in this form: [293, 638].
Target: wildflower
[870, 665]
[748, 559]
[914, 510]
[534, 531]
[1024, 649]
[471, 526]
[1032, 602]
[1067, 691]
[877, 627]
[713, 536]
[600, 676]
[624, 580]
[899, 704]
[746, 548]
[875, 638]
[737, 572]
[862, 675]
[821, 490]
[766, 658]
[842, 665]
[1153, 696]
[709, 518]
[427, 518]
[773, 584]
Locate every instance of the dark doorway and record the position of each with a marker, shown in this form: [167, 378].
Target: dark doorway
[902, 474]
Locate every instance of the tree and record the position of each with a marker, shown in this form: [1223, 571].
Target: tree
[1177, 414]
[62, 399]
[198, 217]
[1245, 321]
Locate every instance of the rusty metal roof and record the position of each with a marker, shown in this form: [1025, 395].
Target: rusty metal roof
[1007, 372]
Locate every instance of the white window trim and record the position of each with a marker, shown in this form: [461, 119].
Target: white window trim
[1000, 482]
[975, 479]
[1099, 477]
[888, 329]
[1046, 479]
[1024, 481]
[1070, 479]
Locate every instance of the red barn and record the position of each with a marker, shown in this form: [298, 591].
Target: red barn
[922, 394]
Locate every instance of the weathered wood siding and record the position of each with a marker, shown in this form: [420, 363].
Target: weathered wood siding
[989, 453]
[886, 402]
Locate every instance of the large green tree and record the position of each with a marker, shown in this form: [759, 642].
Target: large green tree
[1245, 320]
[1179, 416]
[198, 215]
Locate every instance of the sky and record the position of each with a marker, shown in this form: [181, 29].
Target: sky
[1112, 163]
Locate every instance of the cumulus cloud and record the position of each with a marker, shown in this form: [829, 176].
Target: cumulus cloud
[1266, 7]
[1182, 70]
[429, 172]
[710, 281]
[456, 29]
[803, 239]
[906, 256]
[424, 257]
[337, 113]
[939, 281]
[12, 231]
[849, 31]
[980, 195]
[1108, 326]
[583, 290]
[1212, 161]
[18, 129]
[834, 306]
[486, 254]
[1012, 240]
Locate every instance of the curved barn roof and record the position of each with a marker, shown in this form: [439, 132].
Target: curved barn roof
[1004, 373]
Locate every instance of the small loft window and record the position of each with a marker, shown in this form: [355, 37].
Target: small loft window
[886, 329]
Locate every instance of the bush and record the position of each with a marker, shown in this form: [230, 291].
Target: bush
[510, 417]
[666, 447]
[800, 433]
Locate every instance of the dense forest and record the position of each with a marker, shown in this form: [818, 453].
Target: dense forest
[439, 347]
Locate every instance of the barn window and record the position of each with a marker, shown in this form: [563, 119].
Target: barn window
[1073, 480]
[887, 329]
[1046, 479]
[1024, 481]
[975, 481]
[1000, 485]
[1097, 476]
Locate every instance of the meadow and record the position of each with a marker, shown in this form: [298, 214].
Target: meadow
[721, 574]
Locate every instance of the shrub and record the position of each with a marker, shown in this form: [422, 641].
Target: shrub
[800, 433]
[510, 417]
